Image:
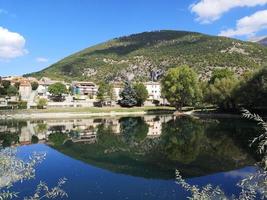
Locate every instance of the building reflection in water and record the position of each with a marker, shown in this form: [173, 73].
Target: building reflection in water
[85, 129]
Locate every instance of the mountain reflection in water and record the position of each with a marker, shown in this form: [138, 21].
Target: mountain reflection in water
[148, 146]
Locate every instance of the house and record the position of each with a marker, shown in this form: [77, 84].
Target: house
[117, 89]
[154, 90]
[25, 90]
[84, 88]
[44, 83]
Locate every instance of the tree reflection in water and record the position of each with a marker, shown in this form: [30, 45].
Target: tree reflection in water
[149, 146]
[196, 147]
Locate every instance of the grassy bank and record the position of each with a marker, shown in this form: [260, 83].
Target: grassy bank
[147, 109]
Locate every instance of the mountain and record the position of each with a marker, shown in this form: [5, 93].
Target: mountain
[139, 55]
[263, 41]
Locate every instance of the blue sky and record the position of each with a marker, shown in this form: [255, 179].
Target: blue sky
[35, 34]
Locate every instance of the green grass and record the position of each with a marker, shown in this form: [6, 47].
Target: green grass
[148, 109]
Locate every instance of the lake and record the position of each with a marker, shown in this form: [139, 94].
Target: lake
[134, 157]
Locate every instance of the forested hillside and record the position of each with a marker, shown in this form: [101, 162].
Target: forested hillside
[139, 56]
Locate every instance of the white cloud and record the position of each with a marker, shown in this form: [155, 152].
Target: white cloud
[248, 26]
[12, 44]
[42, 59]
[211, 10]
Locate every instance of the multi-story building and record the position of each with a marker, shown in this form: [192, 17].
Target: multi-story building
[25, 90]
[84, 88]
[154, 90]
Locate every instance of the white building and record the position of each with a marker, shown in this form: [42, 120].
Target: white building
[117, 89]
[25, 90]
[154, 90]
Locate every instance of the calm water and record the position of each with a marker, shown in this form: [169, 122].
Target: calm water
[134, 157]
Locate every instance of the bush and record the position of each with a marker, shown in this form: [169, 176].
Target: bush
[22, 105]
[42, 103]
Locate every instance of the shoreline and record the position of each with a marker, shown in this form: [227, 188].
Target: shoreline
[82, 113]
[88, 112]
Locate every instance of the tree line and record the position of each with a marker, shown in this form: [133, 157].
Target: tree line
[224, 89]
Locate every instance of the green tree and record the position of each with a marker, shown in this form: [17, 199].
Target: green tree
[11, 90]
[57, 90]
[220, 74]
[221, 93]
[34, 85]
[105, 92]
[101, 93]
[111, 92]
[6, 83]
[253, 90]
[180, 87]
[42, 103]
[128, 96]
[141, 93]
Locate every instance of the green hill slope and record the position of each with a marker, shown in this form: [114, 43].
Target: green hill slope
[137, 56]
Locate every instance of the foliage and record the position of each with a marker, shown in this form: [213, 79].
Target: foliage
[11, 90]
[101, 93]
[7, 89]
[261, 140]
[182, 139]
[22, 105]
[141, 93]
[57, 90]
[180, 87]
[250, 186]
[42, 103]
[207, 192]
[128, 96]
[8, 139]
[34, 85]
[111, 92]
[253, 90]
[43, 191]
[6, 84]
[13, 170]
[160, 50]
[105, 92]
[220, 74]
[57, 138]
[222, 92]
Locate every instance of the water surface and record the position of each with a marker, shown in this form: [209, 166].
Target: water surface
[134, 157]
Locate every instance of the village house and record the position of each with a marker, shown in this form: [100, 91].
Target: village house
[25, 90]
[84, 88]
[117, 90]
[154, 90]
[44, 83]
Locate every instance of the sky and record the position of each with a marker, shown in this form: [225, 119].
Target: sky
[35, 34]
